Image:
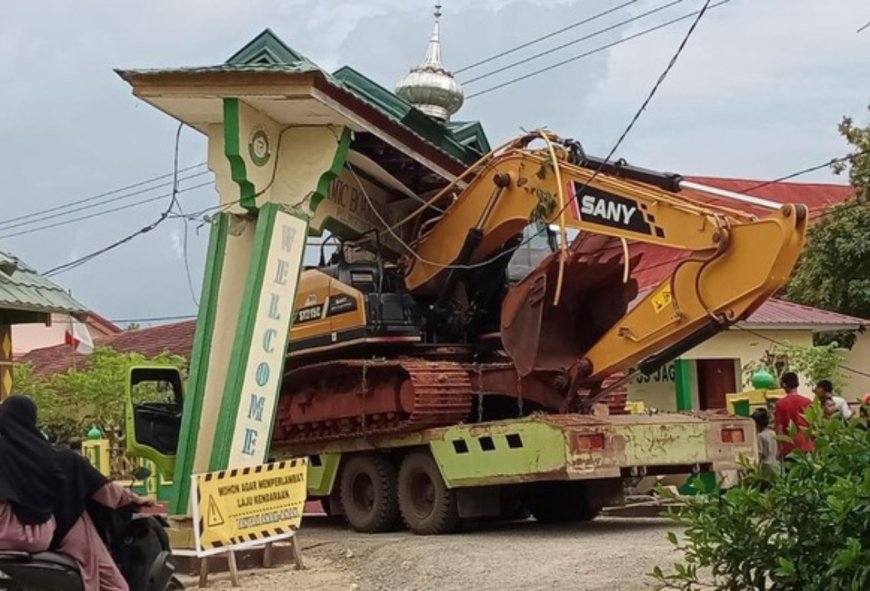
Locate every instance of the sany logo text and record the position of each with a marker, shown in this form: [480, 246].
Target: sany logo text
[606, 209]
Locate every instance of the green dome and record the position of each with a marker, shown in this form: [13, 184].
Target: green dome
[763, 380]
[95, 433]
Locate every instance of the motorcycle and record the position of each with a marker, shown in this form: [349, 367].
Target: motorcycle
[138, 543]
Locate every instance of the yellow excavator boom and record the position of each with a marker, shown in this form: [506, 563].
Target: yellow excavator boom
[734, 263]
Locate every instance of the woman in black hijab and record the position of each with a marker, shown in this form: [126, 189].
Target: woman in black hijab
[31, 474]
[49, 489]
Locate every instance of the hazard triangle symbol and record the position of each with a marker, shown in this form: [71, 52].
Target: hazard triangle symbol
[213, 517]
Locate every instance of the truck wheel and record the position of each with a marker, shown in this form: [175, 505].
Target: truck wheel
[561, 502]
[368, 493]
[428, 507]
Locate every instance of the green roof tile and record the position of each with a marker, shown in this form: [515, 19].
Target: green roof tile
[266, 48]
[431, 130]
[464, 141]
[22, 288]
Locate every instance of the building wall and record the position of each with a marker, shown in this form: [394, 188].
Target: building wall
[27, 337]
[658, 391]
[858, 358]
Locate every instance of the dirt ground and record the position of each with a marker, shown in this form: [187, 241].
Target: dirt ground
[612, 554]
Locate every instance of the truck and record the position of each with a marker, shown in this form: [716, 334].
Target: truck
[429, 385]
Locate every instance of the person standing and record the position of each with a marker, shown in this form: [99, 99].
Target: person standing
[826, 389]
[768, 450]
[788, 412]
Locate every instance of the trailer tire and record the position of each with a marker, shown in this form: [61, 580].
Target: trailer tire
[561, 502]
[368, 493]
[428, 507]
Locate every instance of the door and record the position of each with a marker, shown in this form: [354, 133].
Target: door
[153, 415]
[716, 378]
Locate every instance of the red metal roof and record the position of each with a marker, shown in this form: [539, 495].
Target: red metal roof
[816, 196]
[657, 262]
[172, 338]
[780, 313]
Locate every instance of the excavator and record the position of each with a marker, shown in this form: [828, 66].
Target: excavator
[387, 343]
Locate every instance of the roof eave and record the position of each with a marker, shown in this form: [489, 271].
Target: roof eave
[805, 327]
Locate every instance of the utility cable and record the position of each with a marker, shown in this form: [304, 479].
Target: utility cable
[40, 212]
[153, 319]
[545, 37]
[570, 43]
[173, 201]
[593, 51]
[804, 171]
[184, 221]
[782, 344]
[37, 218]
[101, 213]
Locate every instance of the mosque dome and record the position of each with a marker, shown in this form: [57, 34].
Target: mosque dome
[430, 86]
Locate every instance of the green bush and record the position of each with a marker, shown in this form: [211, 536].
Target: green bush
[806, 528]
[820, 362]
[70, 403]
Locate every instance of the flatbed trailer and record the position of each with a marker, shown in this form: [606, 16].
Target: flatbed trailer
[556, 467]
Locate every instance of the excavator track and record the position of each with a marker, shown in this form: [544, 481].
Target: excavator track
[353, 398]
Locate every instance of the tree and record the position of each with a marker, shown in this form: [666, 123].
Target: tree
[834, 271]
[70, 403]
[805, 529]
[823, 362]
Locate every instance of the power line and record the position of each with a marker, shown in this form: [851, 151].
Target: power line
[36, 218]
[163, 216]
[101, 213]
[782, 344]
[804, 171]
[593, 51]
[144, 230]
[105, 194]
[184, 220]
[545, 37]
[570, 43]
[863, 27]
[153, 319]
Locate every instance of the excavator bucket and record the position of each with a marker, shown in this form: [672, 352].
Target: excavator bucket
[593, 297]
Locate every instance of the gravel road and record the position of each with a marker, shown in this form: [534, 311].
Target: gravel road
[612, 554]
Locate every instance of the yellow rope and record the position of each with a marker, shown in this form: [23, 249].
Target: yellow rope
[563, 235]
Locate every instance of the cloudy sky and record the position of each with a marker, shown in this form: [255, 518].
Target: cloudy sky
[757, 94]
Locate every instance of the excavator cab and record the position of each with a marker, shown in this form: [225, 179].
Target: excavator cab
[153, 415]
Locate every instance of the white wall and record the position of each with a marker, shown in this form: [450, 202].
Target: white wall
[858, 358]
[745, 347]
[748, 346]
[657, 391]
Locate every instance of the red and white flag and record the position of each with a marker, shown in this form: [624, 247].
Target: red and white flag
[78, 337]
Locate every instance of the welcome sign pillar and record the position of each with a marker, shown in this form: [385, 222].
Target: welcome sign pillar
[271, 171]
[270, 178]
[279, 132]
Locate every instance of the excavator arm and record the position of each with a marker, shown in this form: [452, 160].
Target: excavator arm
[579, 310]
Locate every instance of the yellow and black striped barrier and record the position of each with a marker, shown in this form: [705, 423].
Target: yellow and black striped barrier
[244, 507]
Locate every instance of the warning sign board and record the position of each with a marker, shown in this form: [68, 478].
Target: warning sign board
[662, 299]
[244, 507]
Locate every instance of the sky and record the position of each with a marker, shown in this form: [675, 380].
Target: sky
[757, 93]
